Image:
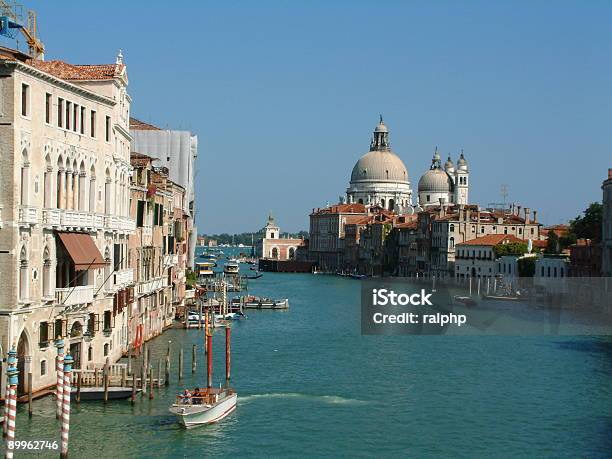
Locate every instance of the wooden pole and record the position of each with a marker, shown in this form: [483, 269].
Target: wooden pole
[133, 398]
[105, 376]
[66, 406]
[59, 388]
[159, 367]
[129, 362]
[30, 392]
[150, 382]
[143, 370]
[209, 361]
[79, 382]
[228, 354]
[167, 373]
[13, 381]
[180, 365]
[123, 376]
[200, 320]
[193, 358]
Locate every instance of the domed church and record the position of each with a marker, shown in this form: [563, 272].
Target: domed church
[380, 177]
[447, 184]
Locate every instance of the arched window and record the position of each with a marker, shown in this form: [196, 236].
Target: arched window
[391, 204]
[23, 274]
[107, 193]
[451, 228]
[275, 253]
[452, 242]
[382, 203]
[48, 183]
[108, 265]
[25, 178]
[360, 201]
[291, 255]
[46, 274]
[75, 186]
[92, 190]
[82, 187]
[59, 201]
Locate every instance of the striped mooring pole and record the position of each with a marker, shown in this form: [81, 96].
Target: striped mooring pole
[6, 407]
[59, 388]
[13, 379]
[66, 405]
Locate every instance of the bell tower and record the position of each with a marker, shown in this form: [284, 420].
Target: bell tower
[271, 229]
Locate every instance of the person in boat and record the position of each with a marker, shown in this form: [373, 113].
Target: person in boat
[186, 397]
[197, 396]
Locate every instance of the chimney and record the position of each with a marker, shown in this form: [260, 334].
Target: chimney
[518, 210]
[461, 206]
[535, 216]
[609, 173]
[441, 213]
[467, 214]
[527, 215]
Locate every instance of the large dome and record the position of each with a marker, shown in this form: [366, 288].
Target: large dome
[435, 181]
[379, 166]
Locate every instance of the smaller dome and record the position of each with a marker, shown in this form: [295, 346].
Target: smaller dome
[449, 164]
[435, 181]
[381, 127]
[461, 161]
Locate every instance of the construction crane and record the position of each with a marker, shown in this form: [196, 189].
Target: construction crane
[12, 21]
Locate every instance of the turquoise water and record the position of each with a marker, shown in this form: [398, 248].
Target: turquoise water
[310, 385]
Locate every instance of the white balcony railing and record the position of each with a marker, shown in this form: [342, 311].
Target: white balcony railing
[71, 218]
[28, 215]
[76, 219]
[124, 277]
[150, 286]
[74, 295]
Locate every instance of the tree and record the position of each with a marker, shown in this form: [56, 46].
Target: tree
[552, 243]
[512, 248]
[588, 226]
[526, 266]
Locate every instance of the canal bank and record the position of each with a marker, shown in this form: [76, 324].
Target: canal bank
[310, 384]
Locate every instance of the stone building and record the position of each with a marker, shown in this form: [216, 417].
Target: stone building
[273, 247]
[476, 258]
[177, 151]
[448, 185]
[157, 249]
[64, 211]
[606, 238]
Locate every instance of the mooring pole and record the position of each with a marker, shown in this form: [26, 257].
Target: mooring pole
[105, 376]
[193, 358]
[167, 375]
[228, 354]
[159, 367]
[150, 382]
[59, 388]
[209, 360]
[66, 405]
[29, 365]
[79, 382]
[13, 381]
[7, 398]
[180, 365]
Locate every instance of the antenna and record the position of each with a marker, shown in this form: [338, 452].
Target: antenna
[504, 195]
[504, 192]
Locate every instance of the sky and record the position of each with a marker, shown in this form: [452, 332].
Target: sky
[284, 95]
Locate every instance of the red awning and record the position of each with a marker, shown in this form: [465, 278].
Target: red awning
[82, 250]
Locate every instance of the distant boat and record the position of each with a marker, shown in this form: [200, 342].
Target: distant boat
[231, 267]
[255, 302]
[465, 300]
[358, 276]
[256, 276]
[97, 393]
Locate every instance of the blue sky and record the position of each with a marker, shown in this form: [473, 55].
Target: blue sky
[284, 95]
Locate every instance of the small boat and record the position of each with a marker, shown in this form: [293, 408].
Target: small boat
[465, 300]
[230, 316]
[210, 404]
[256, 276]
[503, 297]
[231, 267]
[359, 276]
[254, 302]
[97, 393]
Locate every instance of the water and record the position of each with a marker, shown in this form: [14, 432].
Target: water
[310, 385]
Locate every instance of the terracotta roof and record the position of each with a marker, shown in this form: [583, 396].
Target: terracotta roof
[138, 125]
[408, 225]
[540, 244]
[492, 240]
[66, 71]
[342, 208]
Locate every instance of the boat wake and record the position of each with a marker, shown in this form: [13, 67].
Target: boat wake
[328, 399]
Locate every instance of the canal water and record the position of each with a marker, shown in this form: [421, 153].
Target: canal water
[310, 385]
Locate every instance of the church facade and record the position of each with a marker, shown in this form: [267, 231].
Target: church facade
[380, 178]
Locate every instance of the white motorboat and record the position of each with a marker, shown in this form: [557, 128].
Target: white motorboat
[255, 302]
[213, 405]
[231, 267]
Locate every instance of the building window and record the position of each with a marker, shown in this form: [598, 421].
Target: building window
[505, 230]
[140, 208]
[520, 230]
[43, 367]
[60, 112]
[451, 228]
[43, 333]
[92, 123]
[25, 99]
[82, 120]
[48, 108]
[108, 320]
[271, 235]
[107, 126]
[75, 117]
[68, 111]
[106, 348]
[90, 353]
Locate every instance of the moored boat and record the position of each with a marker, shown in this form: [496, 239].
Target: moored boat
[231, 267]
[255, 302]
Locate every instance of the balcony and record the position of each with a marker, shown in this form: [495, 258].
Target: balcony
[27, 215]
[150, 286]
[76, 219]
[124, 277]
[51, 217]
[74, 295]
